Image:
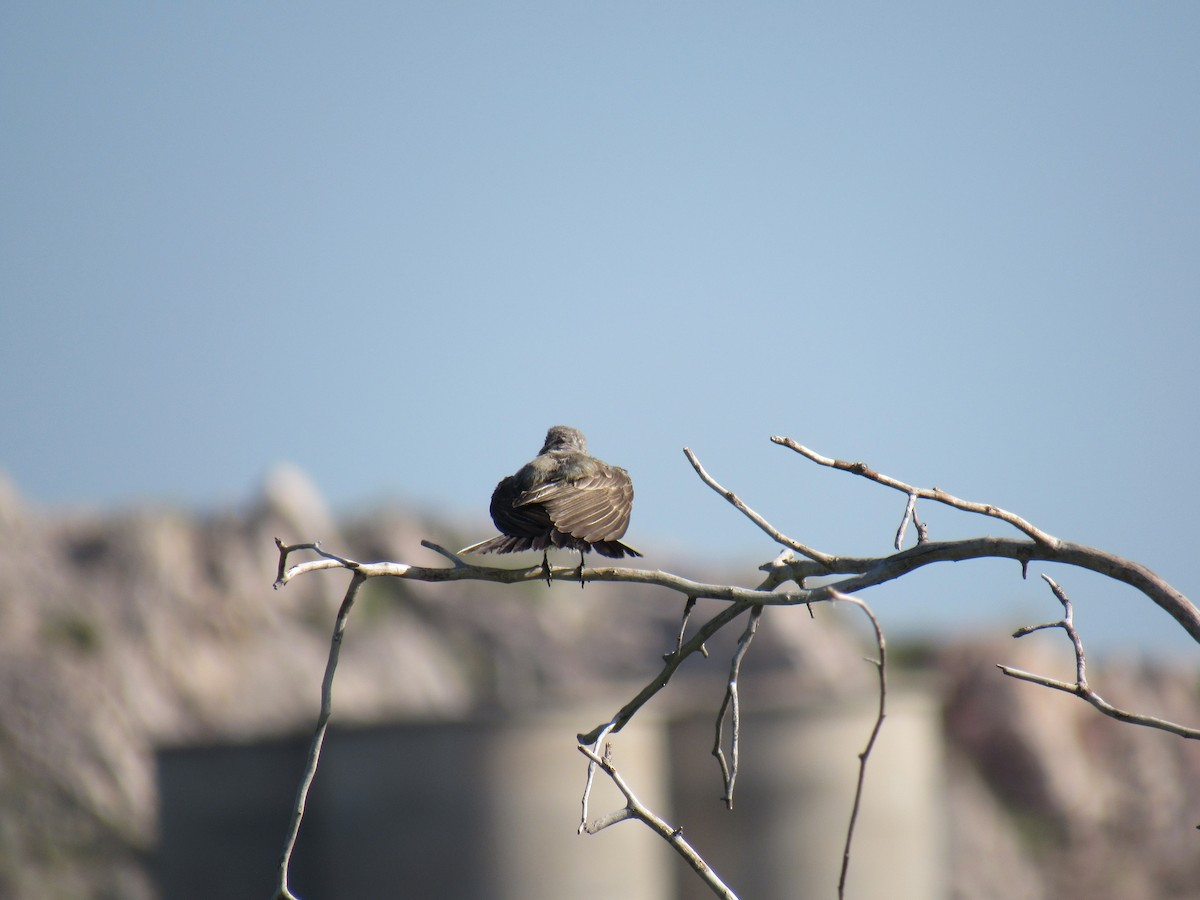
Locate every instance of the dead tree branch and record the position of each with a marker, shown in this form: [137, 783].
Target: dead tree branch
[880, 664]
[859, 468]
[1081, 688]
[731, 705]
[1042, 547]
[775, 534]
[635, 809]
[314, 751]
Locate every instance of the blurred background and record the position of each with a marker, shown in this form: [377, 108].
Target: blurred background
[390, 244]
[393, 243]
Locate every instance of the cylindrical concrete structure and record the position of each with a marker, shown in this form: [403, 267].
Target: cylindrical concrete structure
[784, 838]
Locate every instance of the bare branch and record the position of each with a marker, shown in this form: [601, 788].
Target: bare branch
[314, 752]
[1101, 704]
[881, 667]
[922, 528]
[732, 705]
[587, 786]
[463, 571]
[876, 571]
[453, 557]
[695, 645]
[776, 535]
[1081, 688]
[858, 468]
[332, 561]
[687, 614]
[910, 512]
[865, 571]
[635, 809]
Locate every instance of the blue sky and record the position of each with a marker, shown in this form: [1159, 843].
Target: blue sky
[393, 243]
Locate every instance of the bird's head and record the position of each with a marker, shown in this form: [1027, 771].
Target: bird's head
[564, 437]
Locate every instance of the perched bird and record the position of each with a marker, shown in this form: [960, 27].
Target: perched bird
[562, 498]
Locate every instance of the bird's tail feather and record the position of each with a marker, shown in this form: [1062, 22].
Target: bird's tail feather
[502, 544]
[507, 543]
[613, 549]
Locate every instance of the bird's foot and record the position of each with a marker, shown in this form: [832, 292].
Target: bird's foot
[581, 571]
[546, 567]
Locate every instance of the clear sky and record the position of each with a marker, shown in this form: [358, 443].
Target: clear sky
[393, 242]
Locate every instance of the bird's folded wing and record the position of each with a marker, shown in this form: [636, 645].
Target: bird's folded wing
[527, 521]
[594, 507]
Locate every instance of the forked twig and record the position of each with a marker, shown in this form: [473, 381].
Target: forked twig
[731, 705]
[329, 561]
[591, 775]
[859, 468]
[1081, 688]
[635, 809]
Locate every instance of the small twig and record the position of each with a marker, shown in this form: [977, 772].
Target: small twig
[775, 534]
[453, 557]
[587, 785]
[985, 509]
[731, 704]
[687, 614]
[331, 561]
[1101, 704]
[1067, 624]
[1081, 688]
[881, 667]
[784, 567]
[314, 751]
[922, 528]
[635, 809]
[910, 512]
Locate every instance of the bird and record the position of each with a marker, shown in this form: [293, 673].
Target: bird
[562, 498]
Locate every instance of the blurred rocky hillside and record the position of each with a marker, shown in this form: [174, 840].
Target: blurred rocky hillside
[126, 632]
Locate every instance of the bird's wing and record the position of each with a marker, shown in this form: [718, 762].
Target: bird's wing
[519, 521]
[593, 506]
